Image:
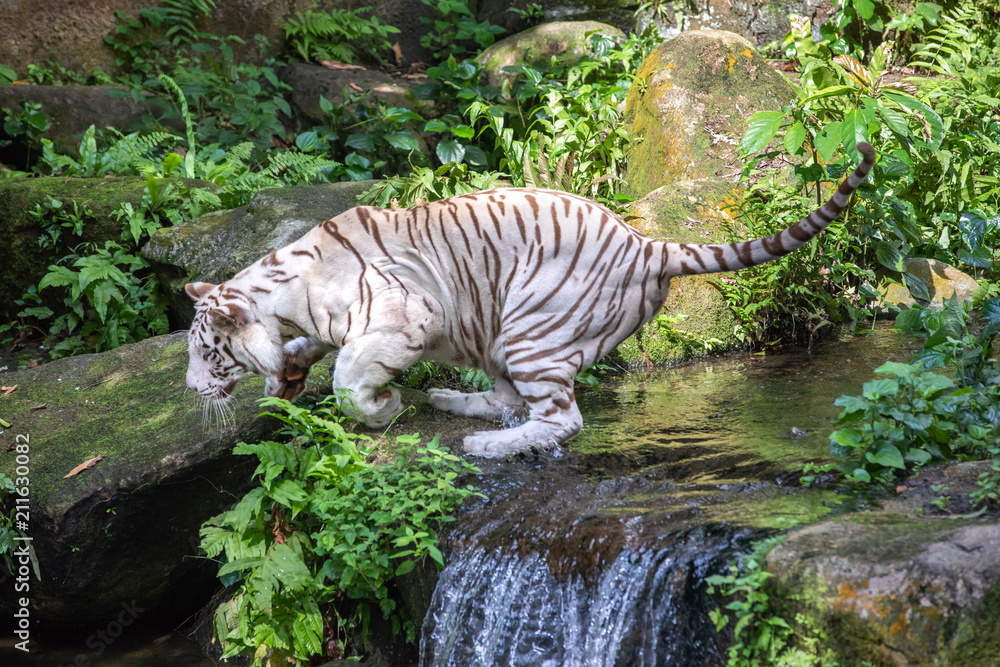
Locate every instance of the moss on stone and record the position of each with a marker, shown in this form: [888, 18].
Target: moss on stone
[687, 108]
[565, 41]
[686, 212]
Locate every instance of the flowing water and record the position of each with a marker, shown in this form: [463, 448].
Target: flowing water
[596, 556]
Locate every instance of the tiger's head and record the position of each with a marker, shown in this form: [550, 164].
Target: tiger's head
[226, 341]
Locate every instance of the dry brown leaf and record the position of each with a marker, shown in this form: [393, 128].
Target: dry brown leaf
[333, 64]
[356, 88]
[83, 466]
[397, 54]
[6, 390]
[40, 406]
[32, 364]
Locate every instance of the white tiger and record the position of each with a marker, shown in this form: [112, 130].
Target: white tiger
[530, 286]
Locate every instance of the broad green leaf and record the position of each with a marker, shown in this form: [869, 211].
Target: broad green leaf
[908, 321]
[865, 8]
[894, 120]
[895, 368]
[851, 404]
[887, 456]
[450, 150]
[875, 389]
[848, 437]
[916, 286]
[931, 117]
[794, 137]
[853, 130]
[828, 140]
[889, 257]
[831, 92]
[362, 142]
[761, 128]
[403, 141]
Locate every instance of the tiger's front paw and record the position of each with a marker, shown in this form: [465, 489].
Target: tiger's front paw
[290, 381]
[504, 443]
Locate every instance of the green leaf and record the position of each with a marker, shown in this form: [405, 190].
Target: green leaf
[916, 286]
[450, 150]
[895, 368]
[887, 456]
[403, 141]
[865, 8]
[828, 140]
[761, 128]
[934, 122]
[894, 120]
[854, 129]
[876, 389]
[889, 257]
[908, 321]
[794, 136]
[848, 437]
[851, 404]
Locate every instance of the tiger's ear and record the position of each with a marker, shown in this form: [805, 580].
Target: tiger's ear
[197, 290]
[230, 318]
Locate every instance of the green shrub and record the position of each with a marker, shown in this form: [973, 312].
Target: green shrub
[340, 35]
[327, 524]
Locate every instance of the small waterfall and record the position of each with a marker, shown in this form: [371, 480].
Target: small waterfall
[499, 608]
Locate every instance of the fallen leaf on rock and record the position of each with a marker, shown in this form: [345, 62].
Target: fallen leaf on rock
[83, 466]
[5, 424]
[6, 390]
[40, 406]
[356, 88]
[32, 364]
[333, 64]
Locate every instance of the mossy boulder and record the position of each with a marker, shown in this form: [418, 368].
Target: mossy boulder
[686, 212]
[688, 106]
[25, 260]
[894, 589]
[127, 528]
[566, 41]
[218, 245]
[942, 281]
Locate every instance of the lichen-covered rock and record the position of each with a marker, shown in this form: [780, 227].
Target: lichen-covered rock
[688, 106]
[218, 245]
[895, 590]
[126, 529]
[942, 281]
[566, 41]
[686, 212]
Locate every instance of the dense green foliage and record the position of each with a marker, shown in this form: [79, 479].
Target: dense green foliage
[327, 525]
[340, 35]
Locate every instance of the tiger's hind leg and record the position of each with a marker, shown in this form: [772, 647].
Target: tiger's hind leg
[553, 416]
[501, 400]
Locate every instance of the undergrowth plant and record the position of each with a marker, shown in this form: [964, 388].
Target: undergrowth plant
[760, 636]
[340, 35]
[312, 551]
[915, 415]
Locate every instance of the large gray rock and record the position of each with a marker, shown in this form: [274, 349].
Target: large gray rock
[896, 587]
[72, 109]
[218, 245]
[690, 101]
[565, 41]
[126, 529]
[310, 82]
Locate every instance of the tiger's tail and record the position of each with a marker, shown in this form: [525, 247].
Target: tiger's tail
[688, 259]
